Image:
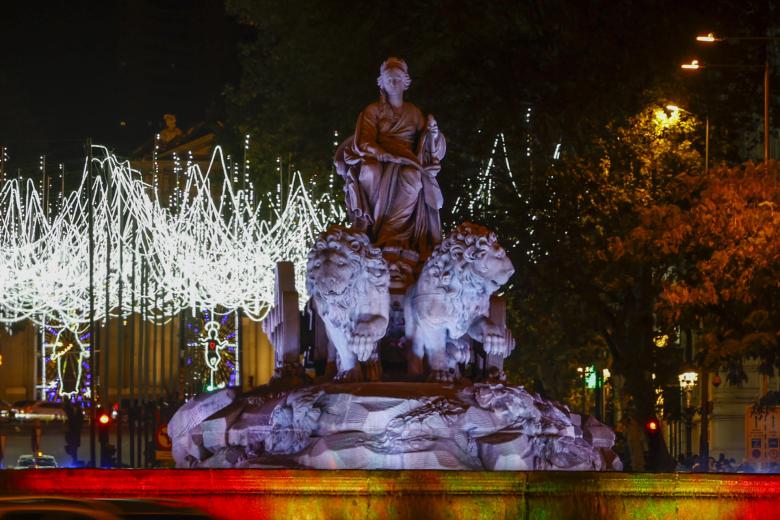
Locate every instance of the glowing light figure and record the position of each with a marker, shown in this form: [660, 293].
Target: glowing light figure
[212, 350]
[69, 354]
[199, 373]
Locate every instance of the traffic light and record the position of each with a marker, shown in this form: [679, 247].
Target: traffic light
[103, 419]
[652, 427]
[653, 460]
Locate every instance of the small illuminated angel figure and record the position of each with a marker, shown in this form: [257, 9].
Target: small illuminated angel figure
[69, 353]
[212, 349]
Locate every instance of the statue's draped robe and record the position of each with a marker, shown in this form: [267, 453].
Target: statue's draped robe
[400, 202]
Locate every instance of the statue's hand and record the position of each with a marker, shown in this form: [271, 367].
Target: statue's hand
[432, 169]
[398, 159]
[387, 157]
[433, 127]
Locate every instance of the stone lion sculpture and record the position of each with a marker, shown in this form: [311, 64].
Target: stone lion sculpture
[348, 281]
[451, 300]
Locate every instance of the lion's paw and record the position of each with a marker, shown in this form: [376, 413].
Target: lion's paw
[442, 376]
[355, 375]
[362, 341]
[459, 350]
[498, 341]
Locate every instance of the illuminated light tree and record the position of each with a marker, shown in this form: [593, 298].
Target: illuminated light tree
[481, 201]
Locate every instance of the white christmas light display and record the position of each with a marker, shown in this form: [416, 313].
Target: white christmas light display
[484, 185]
[202, 252]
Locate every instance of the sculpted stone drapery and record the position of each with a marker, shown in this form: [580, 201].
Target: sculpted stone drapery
[390, 166]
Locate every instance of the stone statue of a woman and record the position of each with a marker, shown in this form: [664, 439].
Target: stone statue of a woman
[390, 167]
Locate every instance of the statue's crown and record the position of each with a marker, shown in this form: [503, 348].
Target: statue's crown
[393, 63]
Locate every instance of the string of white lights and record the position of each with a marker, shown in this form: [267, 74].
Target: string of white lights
[484, 185]
[204, 251]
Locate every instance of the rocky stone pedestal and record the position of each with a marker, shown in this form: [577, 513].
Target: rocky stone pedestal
[388, 426]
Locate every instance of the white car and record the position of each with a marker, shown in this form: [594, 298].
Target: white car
[39, 461]
[39, 410]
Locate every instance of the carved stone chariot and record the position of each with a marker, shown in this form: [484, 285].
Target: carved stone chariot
[411, 333]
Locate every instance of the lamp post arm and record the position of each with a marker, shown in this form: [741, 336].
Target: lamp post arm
[728, 66]
[749, 38]
[711, 38]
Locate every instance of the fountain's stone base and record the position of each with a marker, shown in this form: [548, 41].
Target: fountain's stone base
[280, 494]
[399, 425]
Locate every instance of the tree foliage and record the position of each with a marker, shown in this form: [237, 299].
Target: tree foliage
[593, 300]
[719, 241]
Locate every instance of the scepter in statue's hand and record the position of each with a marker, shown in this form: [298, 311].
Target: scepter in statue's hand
[433, 127]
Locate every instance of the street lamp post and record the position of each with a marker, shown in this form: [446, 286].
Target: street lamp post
[704, 434]
[711, 38]
[687, 380]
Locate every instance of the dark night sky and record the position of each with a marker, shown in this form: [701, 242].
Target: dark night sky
[72, 70]
[76, 69]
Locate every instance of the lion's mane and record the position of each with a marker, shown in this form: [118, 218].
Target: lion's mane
[370, 274]
[450, 270]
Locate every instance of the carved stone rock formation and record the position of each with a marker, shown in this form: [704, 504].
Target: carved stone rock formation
[389, 426]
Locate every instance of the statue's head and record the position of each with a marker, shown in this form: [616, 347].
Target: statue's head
[394, 76]
[472, 253]
[170, 120]
[343, 264]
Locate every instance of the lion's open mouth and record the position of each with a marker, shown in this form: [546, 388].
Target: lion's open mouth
[335, 292]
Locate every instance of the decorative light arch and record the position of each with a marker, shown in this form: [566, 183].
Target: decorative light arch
[202, 252]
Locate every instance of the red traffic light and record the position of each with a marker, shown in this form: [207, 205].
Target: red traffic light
[652, 426]
[104, 418]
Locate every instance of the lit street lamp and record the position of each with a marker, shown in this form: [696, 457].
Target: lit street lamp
[675, 108]
[711, 38]
[687, 381]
